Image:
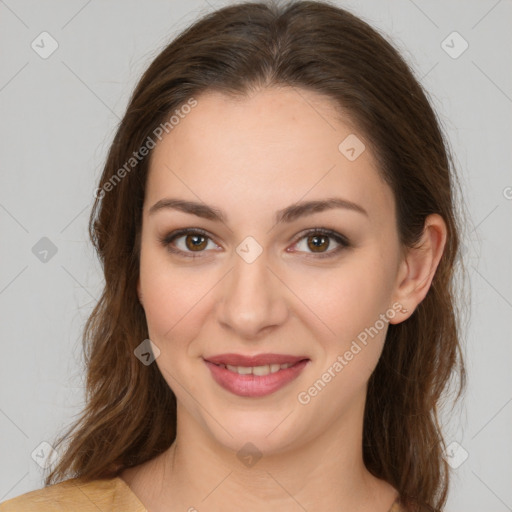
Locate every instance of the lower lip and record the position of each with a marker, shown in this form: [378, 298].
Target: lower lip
[255, 385]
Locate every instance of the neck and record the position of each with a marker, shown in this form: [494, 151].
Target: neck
[322, 473]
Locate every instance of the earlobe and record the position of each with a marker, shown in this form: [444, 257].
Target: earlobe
[419, 267]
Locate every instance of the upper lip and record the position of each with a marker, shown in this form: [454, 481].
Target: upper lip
[258, 360]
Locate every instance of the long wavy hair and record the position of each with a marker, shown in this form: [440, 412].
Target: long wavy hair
[130, 412]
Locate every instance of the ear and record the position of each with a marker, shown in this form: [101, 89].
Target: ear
[418, 267]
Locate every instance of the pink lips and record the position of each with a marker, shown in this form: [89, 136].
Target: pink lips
[254, 385]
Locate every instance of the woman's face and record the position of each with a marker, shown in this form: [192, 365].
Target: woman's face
[263, 282]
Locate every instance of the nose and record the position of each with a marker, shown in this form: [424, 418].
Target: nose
[252, 301]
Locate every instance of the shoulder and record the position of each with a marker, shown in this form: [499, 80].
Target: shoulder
[77, 495]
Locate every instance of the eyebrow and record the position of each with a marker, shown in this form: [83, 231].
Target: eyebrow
[288, 214]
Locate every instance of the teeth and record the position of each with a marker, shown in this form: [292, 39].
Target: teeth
[257, 370]
[239, 369]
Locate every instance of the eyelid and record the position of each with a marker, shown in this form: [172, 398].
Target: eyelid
[340, 239]
[167, 240]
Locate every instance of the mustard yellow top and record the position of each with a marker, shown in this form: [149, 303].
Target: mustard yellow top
[75, 495]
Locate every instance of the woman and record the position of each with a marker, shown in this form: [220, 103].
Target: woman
[276, 215]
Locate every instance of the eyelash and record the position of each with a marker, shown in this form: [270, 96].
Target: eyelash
[337, 237]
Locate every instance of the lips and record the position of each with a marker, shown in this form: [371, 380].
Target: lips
[257, 360]
[252, 385]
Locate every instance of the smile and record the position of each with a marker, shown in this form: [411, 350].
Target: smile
[256, 370]
[255, 381]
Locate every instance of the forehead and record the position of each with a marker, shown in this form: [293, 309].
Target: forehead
[274, 147]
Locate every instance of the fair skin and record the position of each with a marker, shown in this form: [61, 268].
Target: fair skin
[250, 158]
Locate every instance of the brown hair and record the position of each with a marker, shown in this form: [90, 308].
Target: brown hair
[130, 412]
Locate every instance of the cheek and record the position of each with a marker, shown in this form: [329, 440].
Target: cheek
[177, 301]
[348, 298]
[168, 295]
[173, 307]
[352, 303]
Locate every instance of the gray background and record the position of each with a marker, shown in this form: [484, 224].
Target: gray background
[58, 117]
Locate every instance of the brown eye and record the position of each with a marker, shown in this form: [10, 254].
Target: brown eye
[320, 240]
[317, 243]
[196, 241]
